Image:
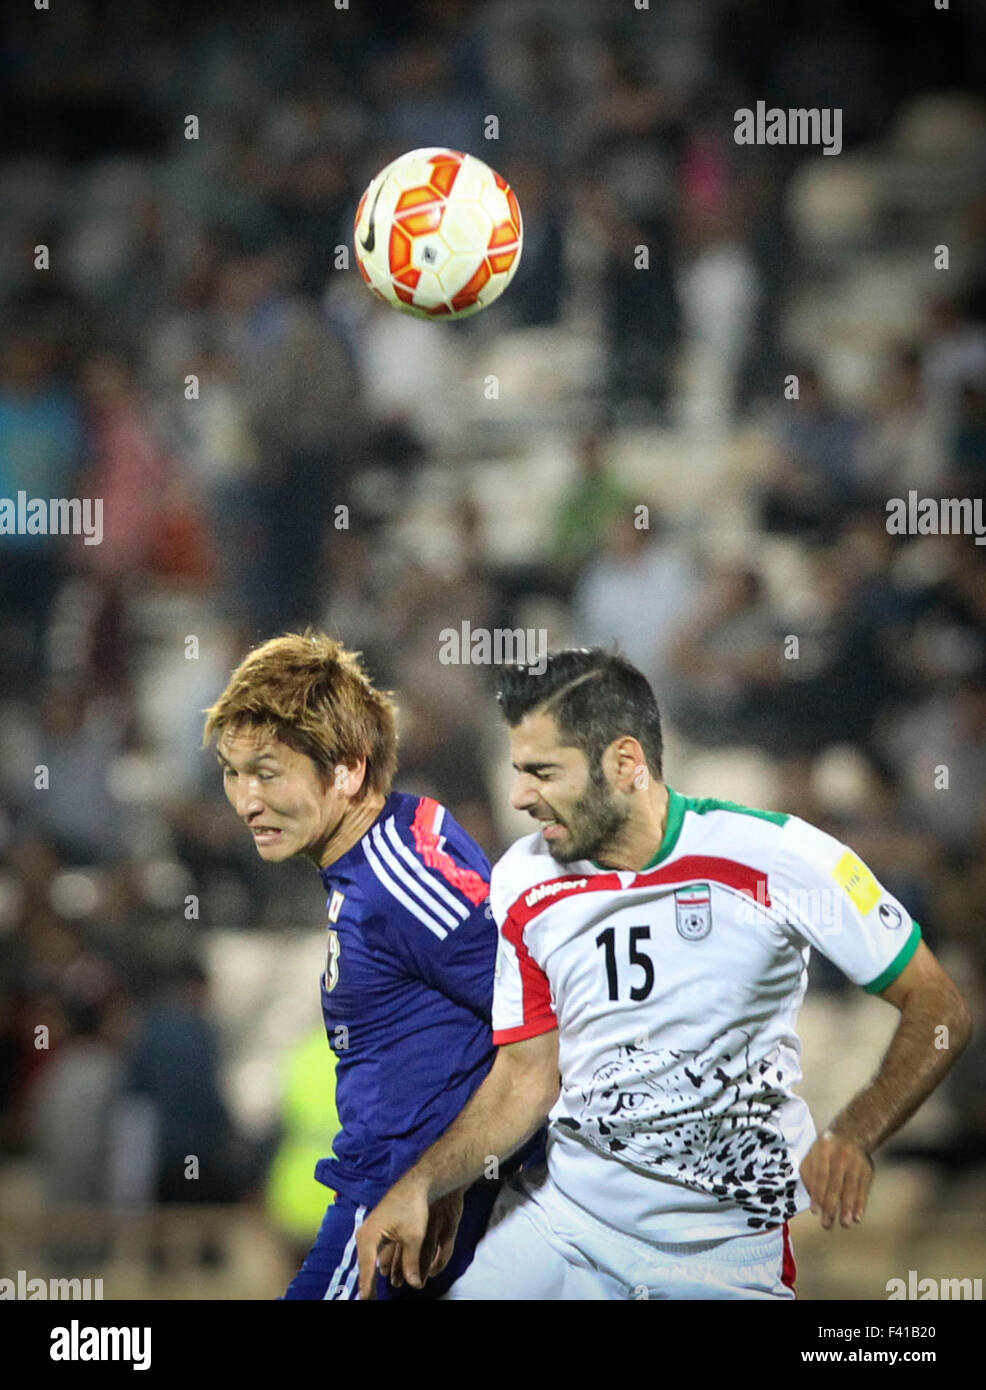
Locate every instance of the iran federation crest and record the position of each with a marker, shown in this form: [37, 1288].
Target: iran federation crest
[693, 911]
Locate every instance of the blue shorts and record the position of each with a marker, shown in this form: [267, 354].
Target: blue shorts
[331, 1270]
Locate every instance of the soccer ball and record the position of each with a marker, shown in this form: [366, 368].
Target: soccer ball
[438, 234]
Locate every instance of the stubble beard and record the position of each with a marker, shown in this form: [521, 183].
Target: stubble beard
[595, 820]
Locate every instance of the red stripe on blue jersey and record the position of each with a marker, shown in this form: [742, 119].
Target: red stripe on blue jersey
[429, 845]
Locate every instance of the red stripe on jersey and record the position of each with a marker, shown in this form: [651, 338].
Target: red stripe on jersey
[552, 890]
[526, 1030]
[536, 996]
[789, 1270]
[692, 867]
[710, 868]
[471, 884]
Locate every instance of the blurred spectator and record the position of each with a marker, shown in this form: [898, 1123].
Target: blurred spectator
[948, 604]
[305, 414]
[151, 522]
[968, 442]
[727, 663]
[842, 676]
[588, 510]
[938, 748]
[830, 56]
[71, 1106]
[719, 280]
[72, 1100]
[538, 290]
[902, 448]
[40, 428]
[425, 98]
[635, 594]
[175, 1064]
[309, 1123]
[641, 315]
[719, 297]
[211, 433]
[954, 356]
[815, 480]
[78, 741]
[40, 450]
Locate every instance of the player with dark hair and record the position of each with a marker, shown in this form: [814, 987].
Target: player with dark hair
[308, 751]
[653, 957]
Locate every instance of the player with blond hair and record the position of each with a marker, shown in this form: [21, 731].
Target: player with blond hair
[308, 752]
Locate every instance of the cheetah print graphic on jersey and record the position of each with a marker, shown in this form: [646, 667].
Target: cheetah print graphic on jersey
[703, 1119]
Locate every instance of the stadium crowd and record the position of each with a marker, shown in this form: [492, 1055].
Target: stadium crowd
[273, 448]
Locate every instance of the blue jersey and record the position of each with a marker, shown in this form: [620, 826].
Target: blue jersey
[407, 991]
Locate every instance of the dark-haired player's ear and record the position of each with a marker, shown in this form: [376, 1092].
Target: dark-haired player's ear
[341, 781]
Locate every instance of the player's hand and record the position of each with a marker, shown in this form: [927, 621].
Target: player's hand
[391, 1237]
[837, 1171]
[443, 1226]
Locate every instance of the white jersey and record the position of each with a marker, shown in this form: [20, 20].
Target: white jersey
[675, 992]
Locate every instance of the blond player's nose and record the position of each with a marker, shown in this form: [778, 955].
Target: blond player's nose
[248, 798]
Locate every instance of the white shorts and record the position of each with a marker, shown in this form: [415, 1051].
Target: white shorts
[545, 1248]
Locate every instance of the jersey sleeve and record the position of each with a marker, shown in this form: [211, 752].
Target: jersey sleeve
[433, 891]
[522, 1003]
[830, 899]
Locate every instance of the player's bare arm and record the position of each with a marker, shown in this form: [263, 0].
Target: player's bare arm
[838, 1169]
[507, 1109]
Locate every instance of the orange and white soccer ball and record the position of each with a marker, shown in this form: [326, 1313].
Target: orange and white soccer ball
[438, 234]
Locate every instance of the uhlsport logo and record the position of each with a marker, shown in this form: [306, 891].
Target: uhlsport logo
[548, 890]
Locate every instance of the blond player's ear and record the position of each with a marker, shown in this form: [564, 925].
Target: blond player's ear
[350, 778]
